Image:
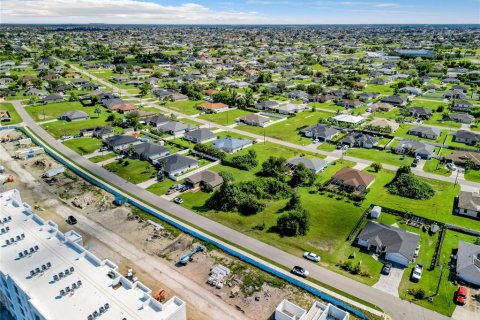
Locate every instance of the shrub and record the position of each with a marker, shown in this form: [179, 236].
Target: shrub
[409, 186]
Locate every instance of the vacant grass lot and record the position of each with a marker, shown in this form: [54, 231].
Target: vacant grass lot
[382, 156]
[188, 107]
[14, 117]
[225, 118]
[103, 157]
[133, 170]
[289, 130]
[437, 167]
[160, 188]
[83, 146]
[62, 127]
[327, 106]
[472, 175]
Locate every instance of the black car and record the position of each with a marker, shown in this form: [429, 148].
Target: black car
[71, 220]
[299, 271]
[386, 268]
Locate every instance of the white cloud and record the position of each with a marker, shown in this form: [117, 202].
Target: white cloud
[118, 11]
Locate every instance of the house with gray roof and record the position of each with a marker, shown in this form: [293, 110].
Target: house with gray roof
[206, 179]
[176, 127]
[425, 132]
[419, 148]
[146, 151]
[120, 142]
[397, 244]
[52, 98]
[468, 262]
[200, 135]
[420, 112]
[468, 204]
[395, 100]
[97, 132]
[156, 120]
[74, 115]
[321, 131]
[254, 120]
[267, 105]
[176, 164]
[359, 139]
[461, 117]
[467, 137]
[315, 165]
[231, 145]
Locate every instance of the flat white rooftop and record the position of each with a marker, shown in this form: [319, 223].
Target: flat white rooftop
[63, 264]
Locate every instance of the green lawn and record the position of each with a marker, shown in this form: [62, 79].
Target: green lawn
[54, 110]
[14, 117]
[104, 157]
[225, 118]
[452, 143]
[327, 105]
[472, 175]
[83, 146]
[382, 156]
[186, 107]
[289, 130]
[133, 170]
[437, 120]
[62, 127]
[160, 188]
[437, 167]
[327, 147]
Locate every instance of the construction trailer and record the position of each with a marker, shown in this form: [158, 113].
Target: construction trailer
[30, 152]
[53, 172]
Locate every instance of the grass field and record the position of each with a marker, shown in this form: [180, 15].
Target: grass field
[104, 157]
[435, 166]
[382, 156]
[160, 188]
[133, 170]
[225, 118]
[62, 127]
[472, 175]
[289, 130]
[14, 117]
[186, 107]
[83, 146]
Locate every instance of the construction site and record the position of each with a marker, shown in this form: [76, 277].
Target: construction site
[214, 284]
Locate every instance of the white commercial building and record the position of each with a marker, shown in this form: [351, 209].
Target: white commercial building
[46, 274]
[287, 310]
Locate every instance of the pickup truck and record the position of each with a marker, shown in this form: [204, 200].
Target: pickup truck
[416, 273]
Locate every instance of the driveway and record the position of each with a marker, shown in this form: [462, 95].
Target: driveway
[471, 310]
[390, 283]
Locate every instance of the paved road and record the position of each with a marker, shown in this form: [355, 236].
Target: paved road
[397, 308]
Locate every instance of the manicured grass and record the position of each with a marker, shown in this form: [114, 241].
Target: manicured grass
[133, 170]
[51, 111]
[437, 167]
[188, 107]
[402, 131]
[438, 208]
[62, 127]
[450, 142]
[83, 146]
[472, 175]
[14, 117]
[437, 120]
[289, 130]
[382, 89]
[104, 157]
[195, 123]
[382, 156]
[225, 118]
[327, 105]
[325, 146]
[160, 188]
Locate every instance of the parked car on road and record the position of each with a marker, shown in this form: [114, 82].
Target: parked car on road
[311, 256]
[386, 268]
[416, 273]
[299, 271]
[178, 200]
[461, 295]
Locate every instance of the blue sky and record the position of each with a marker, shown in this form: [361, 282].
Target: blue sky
[240, 11]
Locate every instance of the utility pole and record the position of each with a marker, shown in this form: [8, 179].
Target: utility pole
[456, 177]
[264, 139]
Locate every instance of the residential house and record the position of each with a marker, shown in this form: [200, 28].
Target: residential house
[254, 120]
[200, 135]
[420, 112]
[97, 132]
[321, 131]
[397, 244]
[176, 164]
[461, 157]
[291, 108]
[454, 94]
[425, 132]
[315, 165]
[206, 180]
[352, 180]
[52, 98]
[359, 139]
[267, 105]
[298, 95]
[322, 98]
[461, 117]
[176, 127]
[350, 103]
[379, 81]
[462, 105]
[74, 115]
[467, 137]
[395, 100]
[418, 148]
[468, 263]
[381, 106]
[231, 145]
[412, 91]
[120, 142]
[348, 119]
[147, 151]
[156, 120]
[364, 96]
[213, 107]
[382, 124]
[468, 204]
[119, 105]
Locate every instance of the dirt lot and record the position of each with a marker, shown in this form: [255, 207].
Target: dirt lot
[249, 292]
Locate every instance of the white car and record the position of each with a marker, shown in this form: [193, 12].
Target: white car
[311, 256]
[417, 273]
[451, 166]
[178, 200]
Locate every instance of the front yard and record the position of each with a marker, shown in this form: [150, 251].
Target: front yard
[133, 170]
[83, 145]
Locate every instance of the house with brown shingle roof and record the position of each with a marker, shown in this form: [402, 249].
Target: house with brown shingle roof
[214, 107]
[352, 180]
[254, 120]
